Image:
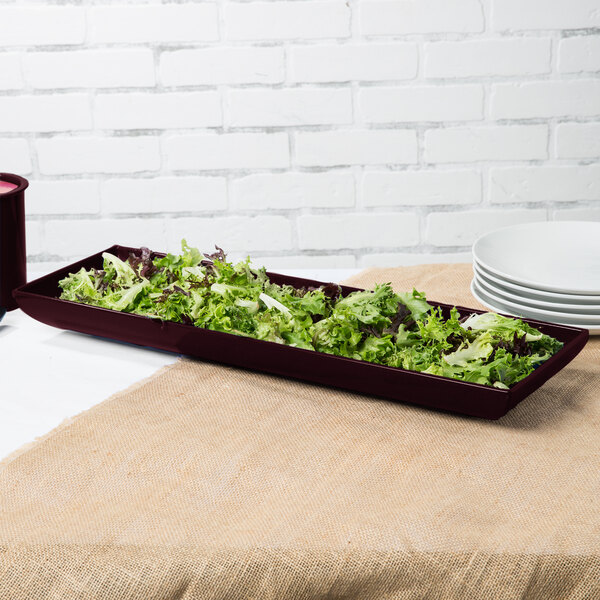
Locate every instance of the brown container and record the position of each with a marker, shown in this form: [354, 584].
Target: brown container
[39, 299]
[13, 256]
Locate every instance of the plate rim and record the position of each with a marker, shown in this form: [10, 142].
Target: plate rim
[545, 313]
[491, 288]
[584, 298]
[523, 282]
[593, 329]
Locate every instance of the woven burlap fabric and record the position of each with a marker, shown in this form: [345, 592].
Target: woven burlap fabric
[212, 482]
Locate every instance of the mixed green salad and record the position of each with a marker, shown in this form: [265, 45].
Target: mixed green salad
[382, 326]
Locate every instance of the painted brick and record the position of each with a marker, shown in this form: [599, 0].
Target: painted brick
[542, 99]
[117, 99]
[234, 234]
[349, 62]
[545, 183]
[164, 194]
[287, 20]
[63, 197]
[227, 151]
[579, 54]
[390, 17]
[541, 14]
[356, 147]
[578, 140]
[483, 58]
[214, 66]
[10, 67]
[298, 106]
[472, 144]
[158, 111]
[423, 103]
[463, 228]
[398, 188]
[578, 214]
[127, 23]
[91, 235]
[14, 156]
[90, 68]
[42, 25]
[293, 190]
[61, 112]
[64, 155]
[407, 259]
[38, 268]
[294, 262]
[35, 241]
[376, 230]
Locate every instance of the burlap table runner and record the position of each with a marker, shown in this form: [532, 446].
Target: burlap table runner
[212, 482]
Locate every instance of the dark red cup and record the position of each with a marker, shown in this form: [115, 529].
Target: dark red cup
[13, 256]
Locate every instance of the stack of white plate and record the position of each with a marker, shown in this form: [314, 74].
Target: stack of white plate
[546, 271]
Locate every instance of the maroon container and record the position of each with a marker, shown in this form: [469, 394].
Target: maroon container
[13, 256]
[39, 299]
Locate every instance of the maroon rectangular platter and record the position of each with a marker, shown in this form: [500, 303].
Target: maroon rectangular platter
[39, 299]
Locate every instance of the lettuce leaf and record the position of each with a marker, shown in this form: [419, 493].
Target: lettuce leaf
[383, 326]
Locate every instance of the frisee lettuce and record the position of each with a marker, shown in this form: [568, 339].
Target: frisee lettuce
[382, 326]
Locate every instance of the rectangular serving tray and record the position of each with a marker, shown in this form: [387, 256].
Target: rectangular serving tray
[39, 299]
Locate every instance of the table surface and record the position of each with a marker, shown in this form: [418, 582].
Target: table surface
[49, 375]
[288, 498]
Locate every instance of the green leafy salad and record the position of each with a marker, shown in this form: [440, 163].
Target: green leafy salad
[382, 326]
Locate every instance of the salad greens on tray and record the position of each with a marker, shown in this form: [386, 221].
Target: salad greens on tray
[397, 329]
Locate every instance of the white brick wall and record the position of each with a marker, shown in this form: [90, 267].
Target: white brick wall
[103, 68]
[456, 229]
[303, 132]
[357, 147]
[546, 99]
[153, 23]
[545, 184]
[92, 235]
[10, 67]
[580, 53]
[64, 196]
[495, 142]
[578, 140]
[42, 25]
[402, 17]
[211, 151]
[45, 113]
[353, 62]
[330, 232]
[294, 190]
[15, 156]
[164, 195]
[427, 103]
[480, 58]
[171, 110]
[577, 214]
[286, 107]
[421, 187]
[265, 233]
[544, 14]
[283, 20]
[73, 155]
[222, 65]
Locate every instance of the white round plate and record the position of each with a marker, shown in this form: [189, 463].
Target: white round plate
[496, 306]
[540, 313]
[582, 309]
[557, 256]
[525, 292]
